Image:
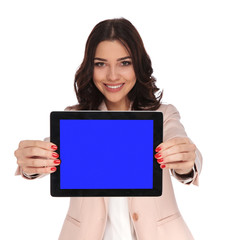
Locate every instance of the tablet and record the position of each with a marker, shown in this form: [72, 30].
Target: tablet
[106, 153]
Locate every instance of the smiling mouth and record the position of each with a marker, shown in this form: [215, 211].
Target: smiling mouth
[114, 86]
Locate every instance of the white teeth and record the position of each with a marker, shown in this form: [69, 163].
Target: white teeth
[114, 86]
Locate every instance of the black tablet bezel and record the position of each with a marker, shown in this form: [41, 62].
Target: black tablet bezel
[157, 117]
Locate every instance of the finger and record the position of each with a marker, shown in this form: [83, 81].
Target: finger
[178, 165]
[38, 152]
[37, 143]
[179, 157]
[173, 141]
[180, 148]
[158, 148]
[38, 162]
[42, 170]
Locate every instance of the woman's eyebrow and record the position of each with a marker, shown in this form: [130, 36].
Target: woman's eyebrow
[100, 59]
[105, 60]
[123, 58]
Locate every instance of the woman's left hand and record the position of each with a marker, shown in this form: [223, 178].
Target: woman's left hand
[177, 154]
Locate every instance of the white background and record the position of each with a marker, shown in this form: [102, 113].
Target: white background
[195, 51]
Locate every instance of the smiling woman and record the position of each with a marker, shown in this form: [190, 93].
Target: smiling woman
[116, 74]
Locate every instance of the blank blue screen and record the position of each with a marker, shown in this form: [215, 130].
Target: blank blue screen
[106, 154]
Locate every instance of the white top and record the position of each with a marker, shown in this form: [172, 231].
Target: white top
[119, 224]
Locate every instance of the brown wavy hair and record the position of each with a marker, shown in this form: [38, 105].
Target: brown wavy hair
[142, 95]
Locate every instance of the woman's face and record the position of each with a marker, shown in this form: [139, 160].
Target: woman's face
[113, 74]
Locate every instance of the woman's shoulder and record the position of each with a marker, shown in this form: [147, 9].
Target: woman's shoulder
[78, 107]
[72, 108]
[167, 108]
[169, 112]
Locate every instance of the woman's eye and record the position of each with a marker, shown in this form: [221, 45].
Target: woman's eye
[126, 63]
[99, 64]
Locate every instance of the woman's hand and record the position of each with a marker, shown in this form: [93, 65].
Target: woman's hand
[37, 157]
[178, 154]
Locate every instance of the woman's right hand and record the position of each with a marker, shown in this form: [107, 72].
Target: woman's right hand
[37, 157]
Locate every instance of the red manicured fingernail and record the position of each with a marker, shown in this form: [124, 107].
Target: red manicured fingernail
[158, 155]
[157, 149]
[160, 160]
[54, 147]
[57, 161]
[163, 166]
[55, 155]
[53, 169]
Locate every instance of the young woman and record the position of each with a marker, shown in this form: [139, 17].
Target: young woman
[116, 74]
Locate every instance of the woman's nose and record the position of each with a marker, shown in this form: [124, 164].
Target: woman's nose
[113, 74]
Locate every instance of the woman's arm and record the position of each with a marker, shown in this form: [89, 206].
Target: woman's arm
[177, 152]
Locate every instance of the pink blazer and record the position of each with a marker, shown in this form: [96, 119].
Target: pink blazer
[153, 217]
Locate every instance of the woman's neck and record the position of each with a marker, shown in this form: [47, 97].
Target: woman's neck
[119, 106]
